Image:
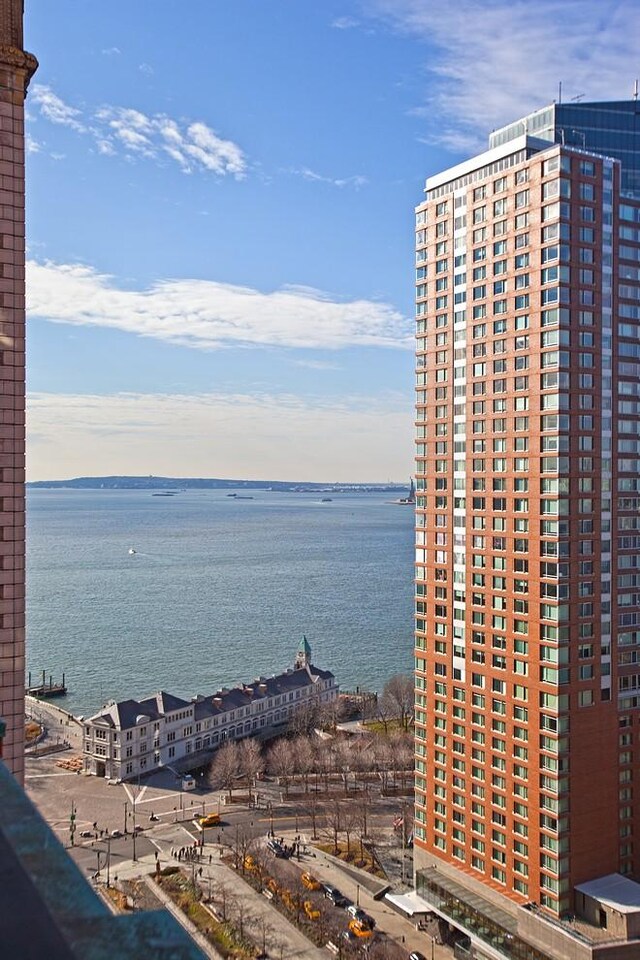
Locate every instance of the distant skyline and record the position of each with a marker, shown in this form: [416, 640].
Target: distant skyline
[219, 216]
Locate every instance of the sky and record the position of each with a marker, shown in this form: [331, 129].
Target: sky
[220, 218]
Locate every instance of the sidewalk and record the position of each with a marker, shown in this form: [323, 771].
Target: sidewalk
[255, 908]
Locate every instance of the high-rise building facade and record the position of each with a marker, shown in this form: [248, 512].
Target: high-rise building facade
[528, 534]
[16, 68]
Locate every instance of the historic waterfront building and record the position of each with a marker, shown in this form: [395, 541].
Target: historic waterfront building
[16, 69]
[135, 737]
[528, 538]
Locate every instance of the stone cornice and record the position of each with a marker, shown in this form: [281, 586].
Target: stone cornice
[20, 60]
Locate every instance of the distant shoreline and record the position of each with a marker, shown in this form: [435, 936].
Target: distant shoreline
[205, 483]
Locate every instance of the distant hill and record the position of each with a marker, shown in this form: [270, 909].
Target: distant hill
[207, 483]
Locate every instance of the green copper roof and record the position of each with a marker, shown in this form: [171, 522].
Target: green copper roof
[304, 646]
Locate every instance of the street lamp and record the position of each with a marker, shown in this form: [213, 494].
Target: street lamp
[133, 804]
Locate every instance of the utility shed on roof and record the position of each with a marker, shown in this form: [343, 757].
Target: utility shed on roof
[611, 902]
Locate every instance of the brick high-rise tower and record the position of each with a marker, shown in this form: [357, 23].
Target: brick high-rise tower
[528, 537]
[16, 69]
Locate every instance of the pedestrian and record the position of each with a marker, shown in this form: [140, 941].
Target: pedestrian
[200, 872]
[210, 858]
[156, 854]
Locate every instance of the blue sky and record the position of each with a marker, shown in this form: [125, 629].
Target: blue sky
[220, 215]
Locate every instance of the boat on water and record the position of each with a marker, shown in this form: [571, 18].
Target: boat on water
[326, 500]
[164, 493]
[132, 551]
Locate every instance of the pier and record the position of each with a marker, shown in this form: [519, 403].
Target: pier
[46, 690]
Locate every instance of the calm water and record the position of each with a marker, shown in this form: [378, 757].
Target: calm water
[219, 590]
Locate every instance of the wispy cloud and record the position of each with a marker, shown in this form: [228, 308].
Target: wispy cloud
[317, 364]
[194, 146]
[493, 62]
[54, 109]
[349, 438]
[345, 23]
[205, 315]
[31, 145]
[146, 68]
[112, 51]
[307, 174]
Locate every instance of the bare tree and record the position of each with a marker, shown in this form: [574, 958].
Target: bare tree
[349, 823]
[225, 768]
[385, 711]
[304, 759]
[382, 756]
[282, 762]
[222, 894]
[399, 695]
[361, 810]
[251, 761]
[334, 822]
[312, 806]
[402, 751]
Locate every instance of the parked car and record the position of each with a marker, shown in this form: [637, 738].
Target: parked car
[309, 881]
[334, 895]
[416, 955]
[138, 829]
[86, 834]
[116, 834]
[357, 913]
[360, 930]
[312, 912]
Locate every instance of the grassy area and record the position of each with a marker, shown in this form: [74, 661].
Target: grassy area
[377, 727]
[220, 934]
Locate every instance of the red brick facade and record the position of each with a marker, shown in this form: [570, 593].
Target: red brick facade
[524, 743]
[16, 67]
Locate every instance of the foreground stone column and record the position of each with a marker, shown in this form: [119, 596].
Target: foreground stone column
[16, 69]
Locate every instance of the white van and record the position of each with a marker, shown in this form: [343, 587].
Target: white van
[188, 782]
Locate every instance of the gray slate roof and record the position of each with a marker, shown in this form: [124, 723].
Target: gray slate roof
[124, 715]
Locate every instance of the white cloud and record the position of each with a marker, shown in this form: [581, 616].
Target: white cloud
[345, 23]
[112, 51]
[352, 438]
[32, 146]
[146, 68]
[204, 314]
[192, 145]
[317, 364]
[311, 175]
[54, 109]
[493, 62]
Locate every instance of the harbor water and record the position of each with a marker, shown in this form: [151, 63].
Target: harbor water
[130, 593]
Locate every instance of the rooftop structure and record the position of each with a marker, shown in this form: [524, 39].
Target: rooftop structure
[609, 129]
